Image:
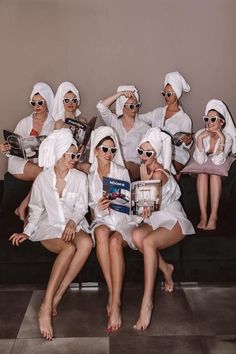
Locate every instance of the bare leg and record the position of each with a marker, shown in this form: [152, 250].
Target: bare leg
[83, 244]
[178, 167]
[117, 276]
[31, 171]
[156, 240]
[215, 191]
[202, 192]
[65, 253]
[102, 235]
[167, 269]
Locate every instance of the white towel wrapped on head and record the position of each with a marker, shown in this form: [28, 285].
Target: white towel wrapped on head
[178, 83]
[58, 108]
[46, 92]
[122, 99]
[54, 146]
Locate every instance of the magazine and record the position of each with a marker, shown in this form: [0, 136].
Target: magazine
[81, 131]
[177, 137]
[26, 148]
[132, 198]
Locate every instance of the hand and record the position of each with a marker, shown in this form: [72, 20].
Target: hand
[69, 232]
[186, 139]
[17, 239]
[144, 173]
[128, 94]
[146, 212]
[204, 134]
[221, 136]
[104, 203]
[5, 147]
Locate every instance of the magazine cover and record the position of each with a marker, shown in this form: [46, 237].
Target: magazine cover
[177, 137]
[26, 148]
[81, 131]
[132, 198]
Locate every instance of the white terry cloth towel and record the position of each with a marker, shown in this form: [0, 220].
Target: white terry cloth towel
[178, 83]
[46, 92]
[58, 108]
[219, 106]
[54, 146]
[96, 136]
[161, 143]
[122, 99]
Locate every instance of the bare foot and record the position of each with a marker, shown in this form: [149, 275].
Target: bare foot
[109, 305]
[45, 322]
[169, 284]
[202, 224]
[211, 225]
[145, 317]
[114, 322]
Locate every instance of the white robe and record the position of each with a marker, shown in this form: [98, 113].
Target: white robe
[217, 158]
[129, 140]
[49, 213]
[16, 164]
[115, 220]
[179, 122]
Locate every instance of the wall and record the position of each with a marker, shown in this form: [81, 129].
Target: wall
[100, 44]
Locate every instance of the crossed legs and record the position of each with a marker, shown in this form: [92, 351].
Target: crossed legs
[152, 242]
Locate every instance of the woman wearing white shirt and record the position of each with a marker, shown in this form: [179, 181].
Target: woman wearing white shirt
[58, 204]
[214, 142]
[110, 229]
[172, 118]
[126, 123]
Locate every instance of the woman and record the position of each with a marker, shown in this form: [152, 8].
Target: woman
[40, 122]
[162, 228]
[110, 229]
[58, 203]
[173, 119]
[129, 128]
[213, 144]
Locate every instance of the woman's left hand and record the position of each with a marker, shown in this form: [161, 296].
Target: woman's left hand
[69, 232]
[186, 139]
[144, 173]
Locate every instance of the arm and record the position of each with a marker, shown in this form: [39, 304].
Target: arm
[199, 154]
[81, 205]
[187, 140]
[222, 148]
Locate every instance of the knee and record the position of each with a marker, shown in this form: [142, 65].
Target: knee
[116, 243]
[136, 238]
[70, 248]
[148, 243]
[101, 234]
[88, 243]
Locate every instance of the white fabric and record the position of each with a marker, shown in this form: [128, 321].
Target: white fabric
[49, 213]
[46, 92]
[161, 143]
[229, 128]
[122, 99]
[96, 136]
[178, 83]
[179, 122]
[171, 210]
[128, 140]
[58, 108]
[54, 146]
[217, 158]
[114, 220]
[16, 164]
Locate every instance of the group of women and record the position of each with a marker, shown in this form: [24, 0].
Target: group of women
[129, 147]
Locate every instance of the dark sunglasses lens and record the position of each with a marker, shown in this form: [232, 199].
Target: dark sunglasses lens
[213, 119]
[32, 103]
[149, 153]
[74, 100]
[113, 150]
[131, 106]
[163, 93]
[40, 103]
[66, 100]
[140, 152]
[104, 149]
[168, 94]
[205, 119]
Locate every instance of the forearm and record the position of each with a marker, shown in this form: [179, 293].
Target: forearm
[110, 100]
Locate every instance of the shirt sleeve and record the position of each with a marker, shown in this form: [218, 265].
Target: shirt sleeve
[36, 208]
[147, 117]
[109, 118]
[186, 127]
[81, 205]
[220, 158]
[198, 155]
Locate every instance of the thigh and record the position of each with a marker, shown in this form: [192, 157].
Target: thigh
[55, 245]
[31, 171]
[102, 230]
[163, 238]
[82, 238]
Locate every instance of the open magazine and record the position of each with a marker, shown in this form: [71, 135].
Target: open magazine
[81, 131]
[26, 148]
[132, 198]
[177, 137]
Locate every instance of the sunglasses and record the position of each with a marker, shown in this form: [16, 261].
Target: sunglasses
[212, 119]
[106, 149]
[70, 100]
[39, 102]
[147, 153]
[74, 156]
[133, 105]
[168, 94]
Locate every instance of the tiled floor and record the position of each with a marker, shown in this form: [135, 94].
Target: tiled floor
[192, 320]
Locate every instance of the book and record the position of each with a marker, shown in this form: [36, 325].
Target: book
[81, 131]
[132, 198]
[26, 148]
[177, 137]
